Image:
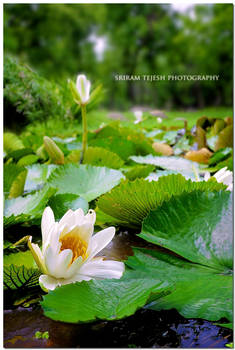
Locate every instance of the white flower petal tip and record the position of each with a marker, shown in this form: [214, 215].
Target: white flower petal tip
[83, 86]
[69, 249]
[223, 175]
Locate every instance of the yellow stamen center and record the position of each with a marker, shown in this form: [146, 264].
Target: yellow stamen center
[76, 244]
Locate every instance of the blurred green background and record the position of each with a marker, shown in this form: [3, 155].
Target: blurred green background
[102, 40]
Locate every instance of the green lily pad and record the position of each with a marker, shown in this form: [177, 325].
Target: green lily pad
[101, 157]
[198, 227]
[37, 176]
[107, 299]
[139, 171]
[130, 202]
[60, 203]
[196, 291]
[186, 225]
[28, 208]
[181, 165]
[86, 181]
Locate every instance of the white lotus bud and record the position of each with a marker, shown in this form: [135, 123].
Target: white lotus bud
[83, 86]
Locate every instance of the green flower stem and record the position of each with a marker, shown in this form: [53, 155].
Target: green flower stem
[84, 133]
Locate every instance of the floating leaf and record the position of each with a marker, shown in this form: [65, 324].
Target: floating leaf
[197, 291]
[30, 207]
[60, 203]
[139, 171]
[38, 175]
[86, 181]
[101, 157]
[119, 145]
[181, 165]
[186, 225]
[198, 227]
[107, 299]
[130, 202]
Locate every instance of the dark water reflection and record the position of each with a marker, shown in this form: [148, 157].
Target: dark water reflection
[145, 329]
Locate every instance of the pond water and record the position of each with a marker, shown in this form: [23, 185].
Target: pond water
[145, 329]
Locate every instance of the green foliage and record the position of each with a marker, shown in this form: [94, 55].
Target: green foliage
[203, 279]
[184, 166]
[220, 155]
[28, 160]
[135, 33]
[139, 171]
[197, 291]
[60, 203]
[11, 142]
[20, 278]
[130, 202]
[186, 226]
[123, 141]
[11, 171]
[28, 208]
[33, 96]
[101, 157]
[86, 181]
[101, 299]
[17, 186]
[20, 271]
[37, 176]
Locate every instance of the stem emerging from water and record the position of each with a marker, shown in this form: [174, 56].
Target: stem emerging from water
[84, 133]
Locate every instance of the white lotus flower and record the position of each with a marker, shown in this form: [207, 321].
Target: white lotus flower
[83, 86]
[138, 116]
[69, 249]
[223, 175]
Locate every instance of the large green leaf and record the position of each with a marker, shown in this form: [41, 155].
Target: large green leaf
[181, 165]
[86, 181]
[24, 209]
[103, 299]
[37, 176]
[123, 141]
[60, 203]
[119, 145]
[130, 202]
[198, 291]
[197, 226]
